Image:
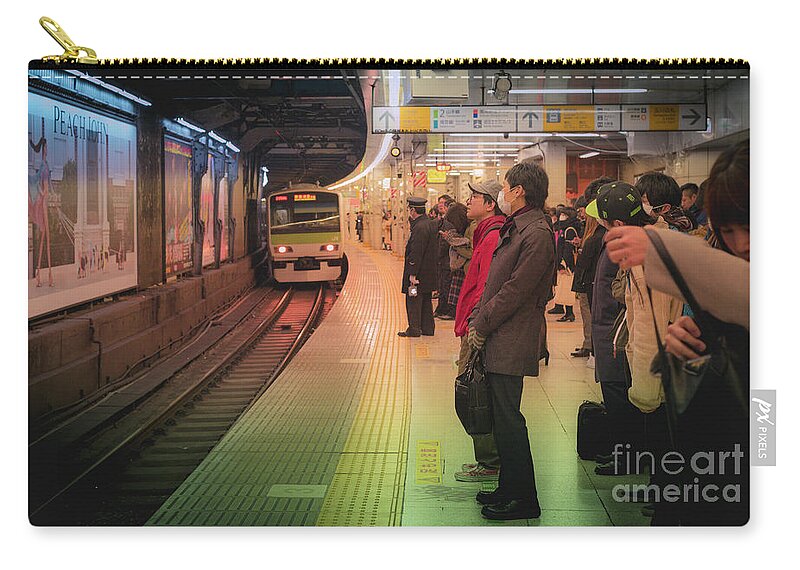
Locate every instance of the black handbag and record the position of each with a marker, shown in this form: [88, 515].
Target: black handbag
[472, 397]
[710, 386]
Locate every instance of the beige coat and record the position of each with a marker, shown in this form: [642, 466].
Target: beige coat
[646, 392]
[719, 281]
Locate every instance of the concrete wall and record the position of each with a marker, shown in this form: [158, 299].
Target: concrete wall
[77, 356]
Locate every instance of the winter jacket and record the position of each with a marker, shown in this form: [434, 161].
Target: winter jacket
[646, 391]
[566, 231]
[608, 367]
[484, 242]
[586, 266]
[510, 314]
[421, 255]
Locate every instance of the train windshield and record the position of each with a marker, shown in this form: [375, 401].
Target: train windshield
[302, 212]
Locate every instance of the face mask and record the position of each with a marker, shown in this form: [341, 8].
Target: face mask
[648, 209]
[504, 206]
[562, 218]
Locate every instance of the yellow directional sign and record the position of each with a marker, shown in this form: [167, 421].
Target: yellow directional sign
[664, 117]
[415, 119]
[539, 118]
[436, 176]
[569, 118]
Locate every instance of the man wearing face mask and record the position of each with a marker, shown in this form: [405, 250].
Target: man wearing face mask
[419, 272]
[661, 196]
[508, 324]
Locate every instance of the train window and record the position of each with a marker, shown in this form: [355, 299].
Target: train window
[300, 216]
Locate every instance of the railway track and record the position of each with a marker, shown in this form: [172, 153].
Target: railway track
[128, 483]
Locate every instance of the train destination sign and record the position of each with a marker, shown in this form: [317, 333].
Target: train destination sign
[538, 118]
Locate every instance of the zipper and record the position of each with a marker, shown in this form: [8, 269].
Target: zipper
[72, 55]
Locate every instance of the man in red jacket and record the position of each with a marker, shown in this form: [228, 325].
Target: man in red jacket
[482, 208]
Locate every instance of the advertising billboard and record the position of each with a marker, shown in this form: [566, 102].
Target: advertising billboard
[81, 205]
[207, 211]
[223, 217]
[178, 206]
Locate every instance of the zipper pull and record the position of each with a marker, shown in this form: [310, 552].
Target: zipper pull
[72, 52]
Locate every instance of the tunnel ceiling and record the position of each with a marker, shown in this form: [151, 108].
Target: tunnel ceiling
[303, 130]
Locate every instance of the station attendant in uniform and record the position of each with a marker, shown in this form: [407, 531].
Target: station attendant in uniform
[419, 273]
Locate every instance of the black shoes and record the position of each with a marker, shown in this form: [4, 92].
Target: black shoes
[581, 353]
[446, 317]
[568, 318]
[489, 498]
[557, 310]
[604, 458]
[611, 468]
[408, 333]
[511, 510]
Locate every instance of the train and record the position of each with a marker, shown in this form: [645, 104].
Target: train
[305, 231]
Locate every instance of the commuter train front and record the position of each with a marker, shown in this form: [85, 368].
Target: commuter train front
[305, 234]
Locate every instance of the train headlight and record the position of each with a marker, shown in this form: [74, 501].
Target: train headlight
[330, 247]
[283, 249]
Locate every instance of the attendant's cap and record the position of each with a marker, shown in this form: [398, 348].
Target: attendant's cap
[417, 202]
[489, 188]
[617, 201]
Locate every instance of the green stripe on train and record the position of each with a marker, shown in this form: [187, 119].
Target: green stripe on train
[307, 237]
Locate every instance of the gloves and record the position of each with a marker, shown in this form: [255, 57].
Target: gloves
[475, 339]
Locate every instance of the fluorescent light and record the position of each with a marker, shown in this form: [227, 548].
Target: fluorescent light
[384, 150]
[188, 125]
[105, 85]
[499, 135]
[589, 154]
[487, 143]
[216, 137]
[573, 91]
[232, 146]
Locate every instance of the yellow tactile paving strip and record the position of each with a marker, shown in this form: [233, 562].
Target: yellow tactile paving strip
[327, 444]
[367, 489]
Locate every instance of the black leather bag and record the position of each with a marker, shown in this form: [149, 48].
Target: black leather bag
[710, 387]
[473, 399]
[593, 439]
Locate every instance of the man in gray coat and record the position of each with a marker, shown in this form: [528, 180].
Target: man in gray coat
[507, 324]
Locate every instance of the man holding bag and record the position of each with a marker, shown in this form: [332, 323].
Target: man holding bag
[482, 209]
[507, 324]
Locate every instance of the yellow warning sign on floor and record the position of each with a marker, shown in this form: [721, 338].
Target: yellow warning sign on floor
[429, 463]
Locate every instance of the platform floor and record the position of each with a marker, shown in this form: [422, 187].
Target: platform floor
[359, 430]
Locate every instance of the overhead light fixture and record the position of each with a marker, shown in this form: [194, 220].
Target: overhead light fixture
[503, 135]
[216, 137]
[589, 154]
[113, 88]
[487, 143]
[232, 146]
[188, 125]
[502, 86]
[573, 91]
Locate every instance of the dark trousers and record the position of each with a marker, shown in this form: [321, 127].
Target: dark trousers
[511, 437]
[419, 310]
[626, 424]
[443, 307]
